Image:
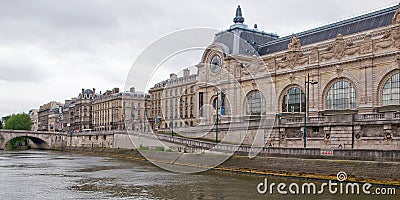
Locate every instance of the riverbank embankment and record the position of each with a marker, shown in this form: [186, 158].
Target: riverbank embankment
[374, 172]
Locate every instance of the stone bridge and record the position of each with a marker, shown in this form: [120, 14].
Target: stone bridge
[37, 139]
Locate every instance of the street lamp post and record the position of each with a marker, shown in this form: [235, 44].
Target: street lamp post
[217, 119]
[307, 83]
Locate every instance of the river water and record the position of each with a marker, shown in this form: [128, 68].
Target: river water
[35, 174]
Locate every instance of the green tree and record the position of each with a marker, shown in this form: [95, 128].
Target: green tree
[1, 125]
[18, 122]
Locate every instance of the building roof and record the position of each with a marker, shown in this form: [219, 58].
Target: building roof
[54, 111]
[353, 25]
[160, 84]
[88, 92]
[137, 94]
[250, 38]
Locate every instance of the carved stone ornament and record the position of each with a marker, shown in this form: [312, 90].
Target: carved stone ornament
[245, 69]
[386, 41]
[254, 85]
[396, 17]
[270, 65]
[291, 78]
[339, 49]
[314, 55]
[257, 67]
[352, 51]
[238, 69]
[281, 64]
[232, 68]
[339, 46]
[203, 76]
[339, 71]
[366, 45]
[291, 58]
[396, 36]
[392, 37]
[302, 61]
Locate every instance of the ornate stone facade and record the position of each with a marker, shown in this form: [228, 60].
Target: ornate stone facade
[77, 112]
[33, 114]
[113, 110]
[173, 103]
[352, 100]
[49, 117]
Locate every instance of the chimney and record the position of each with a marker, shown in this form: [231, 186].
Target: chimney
[186, 72]
[116, 90]
[172, 76]
[94, 90]
[132, 89]
[83, 90]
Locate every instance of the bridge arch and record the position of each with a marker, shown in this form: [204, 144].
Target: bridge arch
[33, 142]
[35, 139]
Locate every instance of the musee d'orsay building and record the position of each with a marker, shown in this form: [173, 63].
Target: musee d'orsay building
[341, 81]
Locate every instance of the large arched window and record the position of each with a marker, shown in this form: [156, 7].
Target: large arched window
[294, 100]
[255, 103]
[341, 95]
[391, 91]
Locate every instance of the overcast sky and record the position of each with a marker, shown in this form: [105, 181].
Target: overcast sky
[49, 50]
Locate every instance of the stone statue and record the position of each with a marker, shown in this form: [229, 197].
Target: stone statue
[396, 17]
[294, 43]
[340, 46]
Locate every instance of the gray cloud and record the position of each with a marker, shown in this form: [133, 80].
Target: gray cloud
[20, 73]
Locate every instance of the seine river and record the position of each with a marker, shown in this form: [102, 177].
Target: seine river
[35, 174]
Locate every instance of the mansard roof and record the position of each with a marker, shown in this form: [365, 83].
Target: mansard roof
[353, 25]
[250, 37]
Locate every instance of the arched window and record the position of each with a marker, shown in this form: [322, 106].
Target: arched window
[294, 100]
[341, 95]
[255, 103]
[391, 91]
